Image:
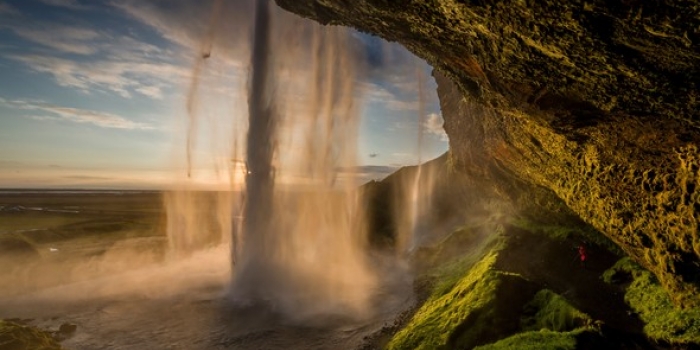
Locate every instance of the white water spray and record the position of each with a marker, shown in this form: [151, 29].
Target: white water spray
[302, 248]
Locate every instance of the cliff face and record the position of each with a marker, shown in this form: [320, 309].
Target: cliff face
[595, 100]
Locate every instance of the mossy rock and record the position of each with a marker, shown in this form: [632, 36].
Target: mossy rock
[14, 336]
[548, 310]
[664, 321]
[472, 304]
[535, 340]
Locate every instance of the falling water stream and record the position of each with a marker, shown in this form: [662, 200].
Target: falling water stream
[303, 249]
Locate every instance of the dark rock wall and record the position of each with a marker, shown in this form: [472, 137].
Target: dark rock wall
[595, 100]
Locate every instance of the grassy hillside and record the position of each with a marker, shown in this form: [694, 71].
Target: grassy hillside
[644, 293]
[14, 336]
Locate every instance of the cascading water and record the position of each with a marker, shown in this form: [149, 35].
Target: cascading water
[297, 228]
[412, 197]
[302, 244]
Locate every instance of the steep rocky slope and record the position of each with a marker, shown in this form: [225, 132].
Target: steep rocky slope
[596, 101]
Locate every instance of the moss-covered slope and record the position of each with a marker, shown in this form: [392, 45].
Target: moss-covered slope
[14, 336]
[496, 296]
[596, 101]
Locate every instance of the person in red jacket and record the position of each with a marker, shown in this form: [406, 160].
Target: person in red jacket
[582, 255]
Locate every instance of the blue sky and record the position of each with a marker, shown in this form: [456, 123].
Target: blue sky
[93, 94]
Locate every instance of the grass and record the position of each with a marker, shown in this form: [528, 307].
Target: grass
[41, 248]
[471, 303]
[445, 262]
[535, 340]
[557, 232]
[452, 301]
[550, 322]
[19, 337]
[549, 311]
[31, 220]
[649, 299]
[562, 232]
[88, 217]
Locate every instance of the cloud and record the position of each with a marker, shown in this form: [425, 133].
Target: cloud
[69, 4]
[112, 62]
[434, 125]
[376, 93]
[186, 23]
[76, 115]
[7, 9]
[101, 119]
[151, 91]
[66, 39]
[121, 77]
[107, 60]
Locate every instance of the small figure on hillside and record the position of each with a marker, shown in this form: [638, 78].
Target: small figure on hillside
[582, 255]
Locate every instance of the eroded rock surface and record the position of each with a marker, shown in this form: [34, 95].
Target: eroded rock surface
[596, 101]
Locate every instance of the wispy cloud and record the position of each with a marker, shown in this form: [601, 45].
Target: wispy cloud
[121, 77]
[66, 39]
[434, 125]
[7, 9]
[393, 101]
[107, 61]
[69, 4]
[186, 22]
[76, 115]
[152, 91]
[182, 32]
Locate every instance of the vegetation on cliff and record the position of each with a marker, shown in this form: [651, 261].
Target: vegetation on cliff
[452, 303]
[474, 300]
[645, 295]
[14, 336]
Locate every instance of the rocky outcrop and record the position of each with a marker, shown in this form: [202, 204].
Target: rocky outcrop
[596, 101]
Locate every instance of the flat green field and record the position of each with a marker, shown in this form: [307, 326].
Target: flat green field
[52, 217]
[54, 237]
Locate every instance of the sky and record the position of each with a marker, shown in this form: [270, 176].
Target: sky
[100, 93]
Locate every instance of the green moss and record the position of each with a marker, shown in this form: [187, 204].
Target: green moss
[624, 266]
[550, 322]
[552, 312]
[535, 340]
[458, 297]
[18, 337]
[649, 299]
[557, 232]
[561, 232]
[443, 264]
